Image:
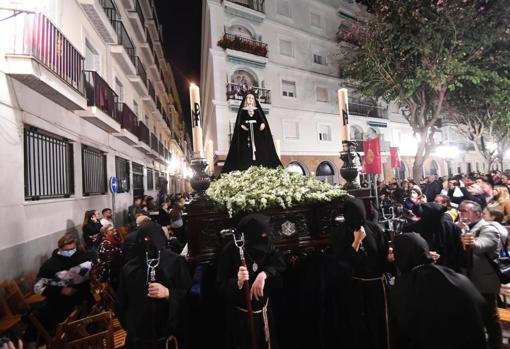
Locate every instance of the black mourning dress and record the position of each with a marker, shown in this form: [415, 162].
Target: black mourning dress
[260, 251]
[240, 156]
[362, 303]
[148, 321]
[432, 306]
[441, 235]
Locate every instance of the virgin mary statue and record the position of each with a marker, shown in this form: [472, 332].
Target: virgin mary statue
[252, 142]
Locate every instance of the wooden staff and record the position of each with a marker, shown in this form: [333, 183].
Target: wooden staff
[239, 242]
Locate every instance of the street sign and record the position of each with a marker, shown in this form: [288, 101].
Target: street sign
[114, 184]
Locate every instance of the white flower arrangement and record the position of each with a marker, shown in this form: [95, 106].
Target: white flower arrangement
[260, 188]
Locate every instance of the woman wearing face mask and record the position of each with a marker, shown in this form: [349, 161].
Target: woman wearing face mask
[415, 198]
[109, 257]
[64, 281]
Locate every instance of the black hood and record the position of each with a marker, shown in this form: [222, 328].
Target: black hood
[149, 238]
[430, 210]
[257, 231]
[354, 213]
[410, 250]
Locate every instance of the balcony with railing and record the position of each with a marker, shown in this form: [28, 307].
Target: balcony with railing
[240, 43]
[161, 149]
[102, 101]
[137, 20]
[154, 142]
[101, 13]
[128, 123]
[144, 137]
[368, 110]
[238, 91]
[139, 80]
[42, 58]
[124, 52]
[250, 9]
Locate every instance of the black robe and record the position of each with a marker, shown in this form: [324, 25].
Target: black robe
[240, 156]
[363, 304]
[432, 306]
[237, 321]
[147, 321]
[441, 235]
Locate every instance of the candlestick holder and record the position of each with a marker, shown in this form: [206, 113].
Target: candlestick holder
[200, 181]
[349, 170]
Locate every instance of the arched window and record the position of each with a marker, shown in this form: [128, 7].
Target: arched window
[244, 78]
[356, 133]
[297, 167]
[325, 172]
[240, 30]
[434, 168]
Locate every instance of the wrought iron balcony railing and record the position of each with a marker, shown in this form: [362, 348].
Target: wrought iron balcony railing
[257, 5]
[139, 11]
[238, 91]
[369, 110]
[128, 118]
[140, 71]
[124, 40]
[152, 91]
[42, 40]
[143, 133]
[239, 43]
[154, 142]
[100, 95]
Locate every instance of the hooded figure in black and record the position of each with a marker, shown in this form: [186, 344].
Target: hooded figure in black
[432, 306]
[362, 253]
[264, 265]
[148, 308]
[442, 236]
[245, 151]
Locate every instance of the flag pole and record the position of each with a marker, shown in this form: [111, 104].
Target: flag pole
[376, 192]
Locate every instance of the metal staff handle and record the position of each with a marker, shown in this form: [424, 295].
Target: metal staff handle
[252, 135]
[239, 242]
[152, 264]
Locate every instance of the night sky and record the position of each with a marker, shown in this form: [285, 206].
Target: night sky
[181, 21]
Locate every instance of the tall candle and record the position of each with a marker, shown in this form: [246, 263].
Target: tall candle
[196, 120]
[277, 147]
[344, 114]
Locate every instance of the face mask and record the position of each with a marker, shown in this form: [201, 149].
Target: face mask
[67, 253]
[414, 195]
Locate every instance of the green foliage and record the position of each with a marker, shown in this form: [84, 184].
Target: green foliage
[417, 52]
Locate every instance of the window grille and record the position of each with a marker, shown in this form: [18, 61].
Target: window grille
[93, 171]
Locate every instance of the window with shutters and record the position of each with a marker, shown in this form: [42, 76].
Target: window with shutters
[122, 172]
[321, 94]
[288, 88]
[93, 164]
[324, 133]
[286, 48]
[319, 59]
[315, 20]
[283, 8]
[290, 130]
[49, 166]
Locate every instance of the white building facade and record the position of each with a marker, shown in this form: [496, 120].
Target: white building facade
[86, 95]
[287, 52]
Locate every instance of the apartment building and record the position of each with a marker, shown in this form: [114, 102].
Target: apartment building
[86, 94]
[287, 52]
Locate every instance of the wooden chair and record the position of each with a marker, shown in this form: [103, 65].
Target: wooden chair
[105, 296]
[92, 332]
[504, 292]
[26, 287]
[8, 320]
[54, 342]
